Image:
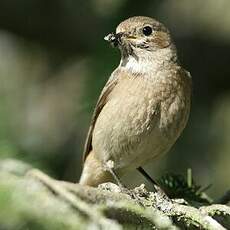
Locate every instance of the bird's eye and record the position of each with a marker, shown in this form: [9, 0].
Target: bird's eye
[147, 30]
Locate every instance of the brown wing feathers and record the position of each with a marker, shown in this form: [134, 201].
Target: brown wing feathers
[99, 106]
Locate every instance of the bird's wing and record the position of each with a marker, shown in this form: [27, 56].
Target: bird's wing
[112, 82]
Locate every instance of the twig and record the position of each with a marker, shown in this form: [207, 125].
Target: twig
[216, 209]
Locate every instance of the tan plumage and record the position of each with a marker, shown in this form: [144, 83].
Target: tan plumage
[144, 106]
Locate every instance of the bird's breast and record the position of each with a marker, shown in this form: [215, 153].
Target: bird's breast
[130, 127]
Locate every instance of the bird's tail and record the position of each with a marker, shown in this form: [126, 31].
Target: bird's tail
[93, 172]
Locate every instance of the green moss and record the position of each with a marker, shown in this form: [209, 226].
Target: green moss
[26, 204]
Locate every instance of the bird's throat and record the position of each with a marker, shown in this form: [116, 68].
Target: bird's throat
[148, 62]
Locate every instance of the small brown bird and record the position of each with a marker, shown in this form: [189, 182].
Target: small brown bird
[143, 107]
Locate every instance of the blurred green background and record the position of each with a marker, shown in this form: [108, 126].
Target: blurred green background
[54, 63]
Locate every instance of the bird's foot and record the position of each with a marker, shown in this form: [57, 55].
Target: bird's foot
[132, 194]
[161, 192]
[109, 166]
[156, 187]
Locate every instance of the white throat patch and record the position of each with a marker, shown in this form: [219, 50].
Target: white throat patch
[147, 63]
[138, 66]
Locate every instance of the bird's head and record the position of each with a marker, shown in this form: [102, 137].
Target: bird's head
[138, 35]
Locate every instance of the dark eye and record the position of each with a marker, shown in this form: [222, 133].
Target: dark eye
[147, 30]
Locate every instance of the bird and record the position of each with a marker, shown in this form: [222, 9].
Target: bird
[144, 106]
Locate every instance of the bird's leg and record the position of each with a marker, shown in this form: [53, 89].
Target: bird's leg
[149, 178]
[110, 167]
[156, 187]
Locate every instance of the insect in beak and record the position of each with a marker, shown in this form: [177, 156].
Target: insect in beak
[114, 39]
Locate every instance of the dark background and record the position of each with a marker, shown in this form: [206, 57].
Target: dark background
[54, 63]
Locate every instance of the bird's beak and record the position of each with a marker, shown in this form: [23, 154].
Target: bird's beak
[131, 37]
[114, 39]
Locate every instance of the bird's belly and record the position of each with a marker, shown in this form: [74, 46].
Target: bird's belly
[127, 131]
